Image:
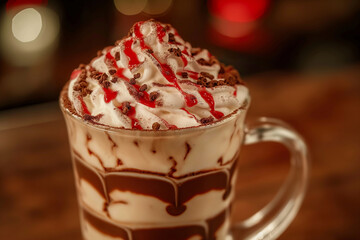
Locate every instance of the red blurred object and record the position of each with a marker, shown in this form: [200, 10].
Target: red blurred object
[16, 3]
[238, 10]
[235, 24]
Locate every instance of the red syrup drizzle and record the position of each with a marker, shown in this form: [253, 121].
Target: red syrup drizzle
[210, 100]
[133, 59]
[165, 69]
[183, 58]
[193, 75]
[145, 98]
[83, 106]
[75, 73]
[170, 76]
[160, 32]
[109, 94]
[134, 121]
[119, 71]
[140, 36]
[168, 125]
[235, 92]
[192, 115]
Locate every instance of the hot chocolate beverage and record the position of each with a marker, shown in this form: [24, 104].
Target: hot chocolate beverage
[155, 127]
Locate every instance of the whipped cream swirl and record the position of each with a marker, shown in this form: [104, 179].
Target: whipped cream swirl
[153, 79]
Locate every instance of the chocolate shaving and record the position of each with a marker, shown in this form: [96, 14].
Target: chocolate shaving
[143, 88]
[104, 77]
[114, 80]
[203, 62]
[83, 84]
[212, 83]
[202, 81]
[150, 51]
[95, 74]
[207, 75]
[117, 56]
[82, 66]
[155, 126]
[84, 92]
[207, 120]
[171, 38]
[112, 71]
[176, 51]
[126, 107]
[184, 75]
[88, 117]
[106, 84]
[77, 87]
[137, 75]
[132, 81]
[133, 91]
[154, 96]
[221, 82]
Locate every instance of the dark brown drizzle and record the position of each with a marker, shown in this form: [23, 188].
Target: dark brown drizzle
[166, 189]
[159, 233]
[188, 149]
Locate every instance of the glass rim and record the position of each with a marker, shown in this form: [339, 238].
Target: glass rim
[151, 132]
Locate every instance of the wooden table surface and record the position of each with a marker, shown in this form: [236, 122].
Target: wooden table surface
[37, 194]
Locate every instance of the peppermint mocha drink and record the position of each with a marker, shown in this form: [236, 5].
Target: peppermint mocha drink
[155, 128]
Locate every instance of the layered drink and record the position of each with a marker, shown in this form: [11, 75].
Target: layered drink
[155, 127]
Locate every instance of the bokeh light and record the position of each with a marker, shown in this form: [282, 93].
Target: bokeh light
[26, 25]
[232, 29]
[236, 18]
[29, 34]
[238, 10]
[132, 7]
[157, 7]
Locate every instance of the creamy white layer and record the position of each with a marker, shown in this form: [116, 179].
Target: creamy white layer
[196, 150]
[130, 208]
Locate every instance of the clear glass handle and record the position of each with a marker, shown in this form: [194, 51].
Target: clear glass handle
[276, 216]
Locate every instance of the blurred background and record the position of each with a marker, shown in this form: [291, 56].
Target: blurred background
[300, 59]
[42, 41]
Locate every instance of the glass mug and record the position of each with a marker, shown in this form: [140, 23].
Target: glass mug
[177, 184]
